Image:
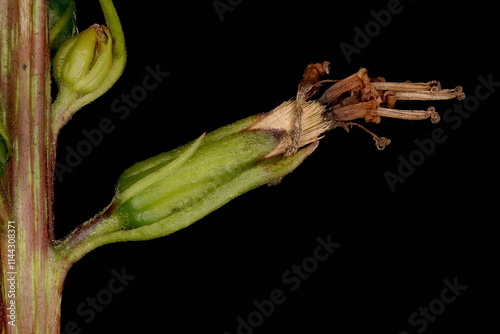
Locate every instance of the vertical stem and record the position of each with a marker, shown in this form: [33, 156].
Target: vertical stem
[27, 184]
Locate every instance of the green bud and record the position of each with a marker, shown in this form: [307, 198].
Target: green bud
[87, 65]
[62, 22]
[83, 61]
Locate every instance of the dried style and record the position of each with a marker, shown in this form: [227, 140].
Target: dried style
[303, 120]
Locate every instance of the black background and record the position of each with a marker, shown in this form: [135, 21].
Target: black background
[397, 247]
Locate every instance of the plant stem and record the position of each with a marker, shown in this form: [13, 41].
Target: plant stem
[31, 280]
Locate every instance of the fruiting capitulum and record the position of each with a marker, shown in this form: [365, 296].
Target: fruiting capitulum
[161, 188]
[305, 119]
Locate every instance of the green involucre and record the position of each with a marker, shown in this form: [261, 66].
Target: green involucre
[262, 173]
[213, 164]
[207, 173]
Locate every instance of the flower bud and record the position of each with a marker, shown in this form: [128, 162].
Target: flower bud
[83, 61]
[62, 22]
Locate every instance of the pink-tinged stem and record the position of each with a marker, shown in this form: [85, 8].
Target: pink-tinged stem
[31, 279]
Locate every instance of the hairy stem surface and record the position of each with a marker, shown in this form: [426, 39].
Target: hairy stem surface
[31, 282]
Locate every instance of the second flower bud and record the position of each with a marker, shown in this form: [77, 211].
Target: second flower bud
[83, 61]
